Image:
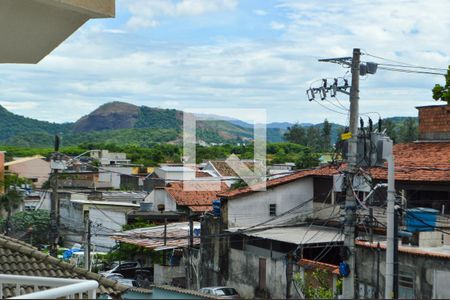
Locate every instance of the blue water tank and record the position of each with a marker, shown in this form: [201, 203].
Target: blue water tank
[421, 219]
[216, 208]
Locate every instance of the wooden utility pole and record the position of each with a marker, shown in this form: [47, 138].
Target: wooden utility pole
[350, 201]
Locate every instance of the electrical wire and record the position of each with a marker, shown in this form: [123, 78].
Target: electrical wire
[403, 64]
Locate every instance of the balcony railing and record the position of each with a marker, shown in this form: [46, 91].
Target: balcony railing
[55, 287]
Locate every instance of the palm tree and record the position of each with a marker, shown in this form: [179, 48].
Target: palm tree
[12, 199]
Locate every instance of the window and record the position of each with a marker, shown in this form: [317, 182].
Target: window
[272, 210]
[406, 285]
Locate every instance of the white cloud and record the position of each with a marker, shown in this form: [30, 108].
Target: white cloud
[277, 26]
[22, 105]
[146, 13]
[260, 12]
[94, 67]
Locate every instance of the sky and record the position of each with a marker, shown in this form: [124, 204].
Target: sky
[235, 54]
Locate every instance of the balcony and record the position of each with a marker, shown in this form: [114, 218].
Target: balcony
[32, 287]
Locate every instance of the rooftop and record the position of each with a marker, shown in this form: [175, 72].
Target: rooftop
[225, 170]
[197, 195]
[436, 252]
[319, 265]
[22, 160]
[153, 237]
[20, 258]
[298, 234]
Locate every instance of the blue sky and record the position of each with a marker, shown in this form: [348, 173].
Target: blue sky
[235, 54]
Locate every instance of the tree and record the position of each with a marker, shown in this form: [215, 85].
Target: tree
[12, 199]
[442, 93]
[313, 138]
[391, 131]
[409, 131]
[32, 226]
[307, 159]
[326, 136]
[296, 134]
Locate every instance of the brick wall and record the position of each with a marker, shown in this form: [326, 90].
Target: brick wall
[434, 122]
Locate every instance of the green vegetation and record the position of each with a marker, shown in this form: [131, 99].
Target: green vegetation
[30, 226]
[401, 130]
[317, 285]
[11, 199]
[442, 93]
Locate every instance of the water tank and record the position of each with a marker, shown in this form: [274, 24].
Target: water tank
[216, 208]
[421, 219]
[146, 206]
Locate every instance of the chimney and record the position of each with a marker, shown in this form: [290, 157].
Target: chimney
[2, 171]
[434, 123]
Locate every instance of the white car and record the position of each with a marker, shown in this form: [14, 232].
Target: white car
[222, 292]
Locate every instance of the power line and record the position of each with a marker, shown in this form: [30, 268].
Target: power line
[401, 63]
[411, 71]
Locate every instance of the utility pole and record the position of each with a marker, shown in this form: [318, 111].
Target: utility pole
[348, 291]
[87, 239]
[389, 285]
[191, 244]
[54, 205]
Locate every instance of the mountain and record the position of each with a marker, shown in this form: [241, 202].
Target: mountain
[12, 125]
[117, 122]
[124, 123]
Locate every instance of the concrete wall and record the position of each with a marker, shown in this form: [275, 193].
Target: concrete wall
[253, 208]
[163, 275]
[421, 268]
[113, 177]
[244, 274]
[160, 196]
[159, 293]
[111, 219]
[35, 169]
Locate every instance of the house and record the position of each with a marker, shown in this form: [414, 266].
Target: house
[280, 169]
[424, 272]
[187, 196]
[170, 239]
[105, 217]
[19, 258]
[261, 261]
[282, 194]
[112, 166]
[221, 169]
[34, 168]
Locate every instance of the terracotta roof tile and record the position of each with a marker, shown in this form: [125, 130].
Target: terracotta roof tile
[19, 258]
[197, 195]
[319, 265]
[413, 162]
[408, 250]
[225, 170]
[269, 184]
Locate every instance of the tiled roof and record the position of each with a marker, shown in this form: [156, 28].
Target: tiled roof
[202, 174]
[177, 236]
[269, 184]
[225, 170]
[22, 160]
[408, 250]
[319, 265]
[413, 162]
[20, 258]
[199, 195]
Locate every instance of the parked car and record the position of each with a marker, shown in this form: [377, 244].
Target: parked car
[114, 276]
[130, 270]
[128, 282]
[222, 292]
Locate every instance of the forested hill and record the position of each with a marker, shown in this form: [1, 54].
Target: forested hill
[127, 124]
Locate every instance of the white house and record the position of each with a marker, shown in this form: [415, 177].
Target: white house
[245, 207]
[169, 173]
[106, 217]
